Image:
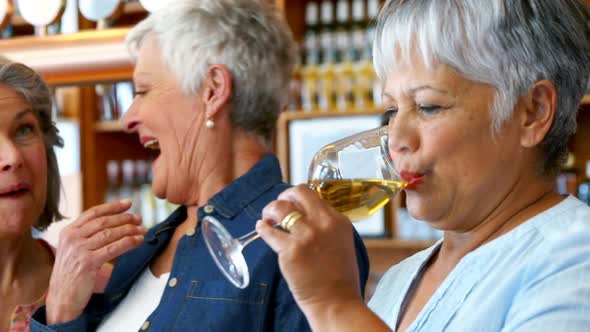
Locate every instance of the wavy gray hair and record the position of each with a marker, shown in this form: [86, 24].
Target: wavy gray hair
[28, 84]
[506, 43]
[250, 37]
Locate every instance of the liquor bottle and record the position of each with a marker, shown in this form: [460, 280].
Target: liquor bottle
[143, 189]
[128, 187]
[310, 70]
[327, 89]
[345, 57]
[584, 188]
[312, 30]
[363, 67]
[373, 12]
[112, 193]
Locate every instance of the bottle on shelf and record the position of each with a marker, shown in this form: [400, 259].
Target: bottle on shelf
[135, 184]
[112, 193]
[295, 88]
[107, 102]
[311, 59]
[327, 88]
[363, 67]
[128, 186]
[373, 12]
[584, 187]
[345, 57]
[143, 190]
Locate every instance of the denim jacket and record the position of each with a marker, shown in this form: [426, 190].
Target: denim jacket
[202, 299]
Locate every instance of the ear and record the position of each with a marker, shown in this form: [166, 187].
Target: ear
[537, 115]
[217, 90]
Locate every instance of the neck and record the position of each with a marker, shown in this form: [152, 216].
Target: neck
[525, 201]
[227, 165]
[19, 256]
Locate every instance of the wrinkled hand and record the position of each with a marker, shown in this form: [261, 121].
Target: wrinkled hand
[318, 257]
[98, 236]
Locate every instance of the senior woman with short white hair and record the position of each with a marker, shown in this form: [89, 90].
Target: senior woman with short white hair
[482, 98]
[211, 77]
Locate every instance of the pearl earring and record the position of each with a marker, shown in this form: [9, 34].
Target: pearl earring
[209, 123]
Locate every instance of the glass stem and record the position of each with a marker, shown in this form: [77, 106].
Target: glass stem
[246, 239]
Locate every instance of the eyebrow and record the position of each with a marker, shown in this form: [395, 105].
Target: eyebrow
[413, 91]
[23, 113]
[417, 89]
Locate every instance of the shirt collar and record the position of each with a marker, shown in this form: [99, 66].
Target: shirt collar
[247, 188]
[178, 216]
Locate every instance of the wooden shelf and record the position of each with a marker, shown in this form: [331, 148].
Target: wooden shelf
[128, 9]
[133, 8]
[586, 100]
[114, 126]
[83, 57]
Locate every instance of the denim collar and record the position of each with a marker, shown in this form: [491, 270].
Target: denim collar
[247, 188]
[170, 223]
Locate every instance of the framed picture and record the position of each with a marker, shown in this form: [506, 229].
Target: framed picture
[300, 135]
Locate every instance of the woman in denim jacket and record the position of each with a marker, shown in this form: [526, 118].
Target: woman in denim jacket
[211, 77]
[482, 97]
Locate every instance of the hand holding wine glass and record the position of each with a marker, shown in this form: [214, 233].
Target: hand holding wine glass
[355, 175]
[317, 257]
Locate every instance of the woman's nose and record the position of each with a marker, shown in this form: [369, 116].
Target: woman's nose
[403, 135]
[10, 156]
[130, 119]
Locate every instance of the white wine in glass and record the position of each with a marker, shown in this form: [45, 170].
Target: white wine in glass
[357, 198]
[355, 175]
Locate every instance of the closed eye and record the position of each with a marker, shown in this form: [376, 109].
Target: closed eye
[431, 109]
[389, 112]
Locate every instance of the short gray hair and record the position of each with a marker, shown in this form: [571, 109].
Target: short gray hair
[510, 44]
[31, 87]
[250, 37]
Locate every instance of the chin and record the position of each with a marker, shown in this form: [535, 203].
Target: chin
[419, 208]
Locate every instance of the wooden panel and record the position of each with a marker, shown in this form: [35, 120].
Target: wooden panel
[580, 143]
[83, 57]
[295, 13]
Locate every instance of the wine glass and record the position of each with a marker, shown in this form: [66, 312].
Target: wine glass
[356, 175]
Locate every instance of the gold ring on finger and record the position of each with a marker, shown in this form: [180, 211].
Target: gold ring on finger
[290, 220]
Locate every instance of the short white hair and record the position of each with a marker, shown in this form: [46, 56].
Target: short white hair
[509, 44]
[250, 37]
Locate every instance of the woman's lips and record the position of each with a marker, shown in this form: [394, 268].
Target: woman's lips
[15, 191]
[413, 179]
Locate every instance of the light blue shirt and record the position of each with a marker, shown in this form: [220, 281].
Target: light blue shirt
[535, 278]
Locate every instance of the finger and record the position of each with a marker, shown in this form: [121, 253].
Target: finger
[117, 248]
[110, 235]
[102, 210]
[275, 238]
[94, 226]
[277, 210]
[316, 210]
[306, 199]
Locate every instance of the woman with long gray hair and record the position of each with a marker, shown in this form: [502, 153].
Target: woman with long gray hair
[482, 97]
